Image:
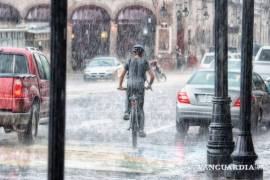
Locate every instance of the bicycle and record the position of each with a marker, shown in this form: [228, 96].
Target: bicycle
[134, 122]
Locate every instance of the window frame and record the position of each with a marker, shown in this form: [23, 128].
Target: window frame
[56, 145]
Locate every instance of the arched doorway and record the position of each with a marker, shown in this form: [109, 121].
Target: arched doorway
[38, 33]
[39, 13]
[136, 24]
[9, 14]
[91, 34]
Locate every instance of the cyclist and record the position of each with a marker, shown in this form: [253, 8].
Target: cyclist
[136, 67]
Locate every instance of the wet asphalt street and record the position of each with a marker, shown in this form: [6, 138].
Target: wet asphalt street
[98, 144]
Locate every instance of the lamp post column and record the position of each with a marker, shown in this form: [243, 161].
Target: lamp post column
[244, 154]
[220, 142]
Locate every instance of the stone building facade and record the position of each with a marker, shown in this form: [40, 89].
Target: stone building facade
[110, 27]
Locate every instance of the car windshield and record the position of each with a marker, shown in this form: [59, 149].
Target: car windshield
[101, 62]
[236, 56]
[265, 55]
[208, 59]
[208, 78]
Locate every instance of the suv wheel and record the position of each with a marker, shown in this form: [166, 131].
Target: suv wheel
[182, 127]
[31, 131]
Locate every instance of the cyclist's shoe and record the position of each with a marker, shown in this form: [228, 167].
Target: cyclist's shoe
[126, 117]
[142, 133]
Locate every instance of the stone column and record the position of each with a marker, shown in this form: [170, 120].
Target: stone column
[113, 38]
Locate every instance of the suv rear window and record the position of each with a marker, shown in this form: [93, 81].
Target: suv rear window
[7, 64]
[20, 65]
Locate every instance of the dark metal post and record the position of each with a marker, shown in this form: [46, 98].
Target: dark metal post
[244, 154]
[220, 142]
[58, 89]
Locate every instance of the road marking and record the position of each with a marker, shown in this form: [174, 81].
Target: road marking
[90, 124]
[117, 159]
[155, 130]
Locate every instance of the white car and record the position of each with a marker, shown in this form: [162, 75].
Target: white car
[210, 56]
[102, 68]
[232, 64]
[261, 62]
[207, 59]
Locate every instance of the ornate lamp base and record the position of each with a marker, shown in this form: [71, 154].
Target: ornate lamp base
[247, 172]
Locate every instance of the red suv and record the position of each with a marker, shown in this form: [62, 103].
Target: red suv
[24, 91]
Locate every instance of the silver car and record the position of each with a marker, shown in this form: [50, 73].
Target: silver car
[102, 68]
[194, 101]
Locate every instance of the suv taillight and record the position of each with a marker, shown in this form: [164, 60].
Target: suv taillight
[18, 89]
[182, 97]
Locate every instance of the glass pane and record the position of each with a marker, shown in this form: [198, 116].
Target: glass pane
[24, 90]
[175, 36]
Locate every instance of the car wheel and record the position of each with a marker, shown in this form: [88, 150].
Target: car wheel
[182, 127]
[29, 135]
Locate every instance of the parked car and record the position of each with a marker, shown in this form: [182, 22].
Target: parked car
[209, 57]
[24, 91]
[194, 101]
[261, 63]
[32, 48]
[102, 68]
[256, 48]
[232, 64]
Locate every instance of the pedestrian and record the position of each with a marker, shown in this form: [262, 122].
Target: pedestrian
[178, 54]
[136, 68]
[192, 61]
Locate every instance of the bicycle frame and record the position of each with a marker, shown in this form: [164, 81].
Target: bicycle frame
[134, 122]
[134, 109]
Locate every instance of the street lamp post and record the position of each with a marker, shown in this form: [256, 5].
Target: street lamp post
[244, 154]
[220, 142]
[181, 13]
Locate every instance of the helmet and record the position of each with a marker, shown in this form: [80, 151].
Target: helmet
[138, 49]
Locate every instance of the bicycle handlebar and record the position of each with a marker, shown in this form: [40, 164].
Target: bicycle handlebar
[124, 89]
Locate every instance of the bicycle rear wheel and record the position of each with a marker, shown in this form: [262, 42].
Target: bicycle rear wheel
[134, 138]
[133, 129]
